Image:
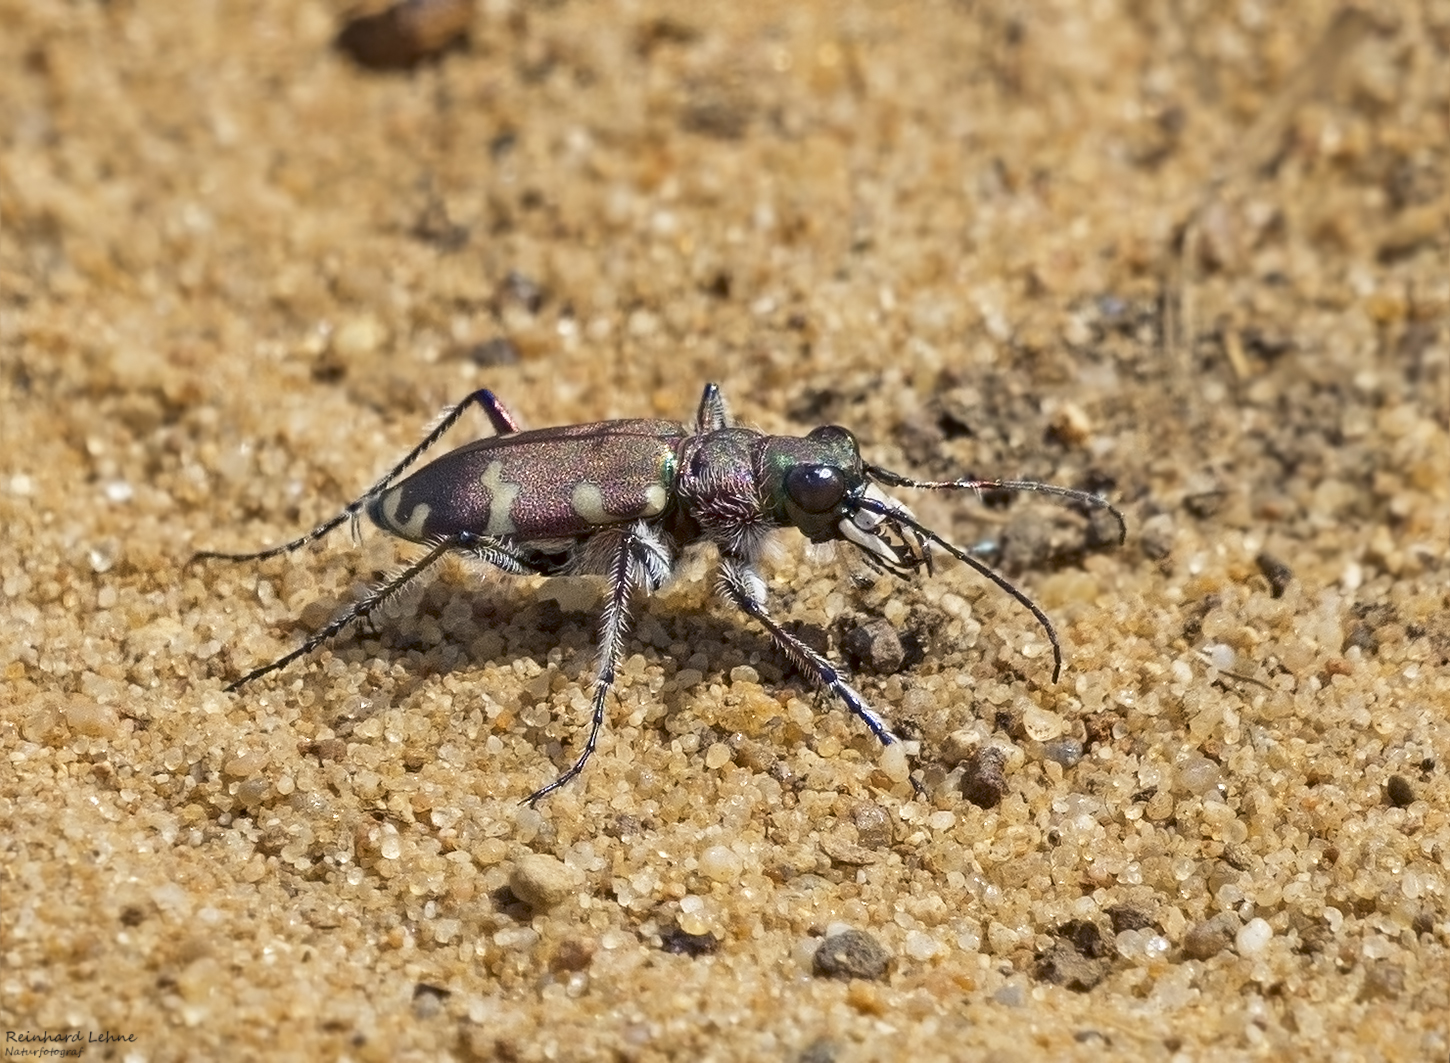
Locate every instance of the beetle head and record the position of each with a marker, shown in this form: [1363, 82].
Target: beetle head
[819, 485]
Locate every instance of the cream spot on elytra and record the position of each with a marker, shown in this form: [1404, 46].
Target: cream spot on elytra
[655, 499]
[412, 528]
[501, 498]
[588, 502]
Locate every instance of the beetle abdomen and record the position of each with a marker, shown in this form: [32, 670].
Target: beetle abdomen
[549, 484]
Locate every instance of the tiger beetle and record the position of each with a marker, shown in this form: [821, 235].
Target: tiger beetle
[625, 500]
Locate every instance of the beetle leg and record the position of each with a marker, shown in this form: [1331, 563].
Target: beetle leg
[360, 611]
[630, 563]
[489, 551]
[742, 585]
[712, 415]
[498, 415]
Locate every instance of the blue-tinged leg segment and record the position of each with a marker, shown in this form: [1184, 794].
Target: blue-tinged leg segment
[743, 587]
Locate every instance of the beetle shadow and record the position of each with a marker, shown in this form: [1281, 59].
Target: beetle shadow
[525, 626]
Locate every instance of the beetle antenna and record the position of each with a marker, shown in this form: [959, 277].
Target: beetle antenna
[981, 569]
[1085, 498]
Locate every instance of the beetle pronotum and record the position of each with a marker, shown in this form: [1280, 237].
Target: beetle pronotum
[625, 500]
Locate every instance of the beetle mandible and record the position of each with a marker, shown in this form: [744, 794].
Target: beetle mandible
[626, 499]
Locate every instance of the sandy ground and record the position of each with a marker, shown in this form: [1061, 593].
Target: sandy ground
[1193, 256]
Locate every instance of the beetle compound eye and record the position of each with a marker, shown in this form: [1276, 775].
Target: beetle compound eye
[815, 488]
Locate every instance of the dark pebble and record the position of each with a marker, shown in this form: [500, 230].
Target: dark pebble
[406, 34]
[572, 954]
[1238, 856]
[498, 351]
[852, 954]
[1205, 504]
[1276, 572]
[428, 1000]
[984, 782]
[875, 647]
[874, 829]
[522, 290]
[1063, 965]
[1129, 917]
[813, 635]
[1399, 791]
[677, 942]
[1085, 937]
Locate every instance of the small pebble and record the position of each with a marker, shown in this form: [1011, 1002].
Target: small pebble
[1205, 504]
[851, 954]
[1128, 917]
[1013, 995]
[428, 1000]
[89, 718]
[821, 1051]
[1198, 776]
[1156, 537]
[984, 782]
[1238, 856]
[875, 647]
[1210, 937]
[541, 881]
[1085, 936]
[252, 792]
[680, 942]
[721, 863]
[198, 979]
[1382, 981]
[958, 746]
[1399, 791]
[1041, 725]
[406, 33]
[1276, 572]
[1250, 940]
[921, 946]
[1071, 424]
[572, 954]
[494, 352]
[894, 763]
[874, 829]
[358, 336]
[1063, 965]
[743, 673]
[1064, 751]
[516, 288]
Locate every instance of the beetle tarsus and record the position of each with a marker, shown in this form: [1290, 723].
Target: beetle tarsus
[736, 582]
